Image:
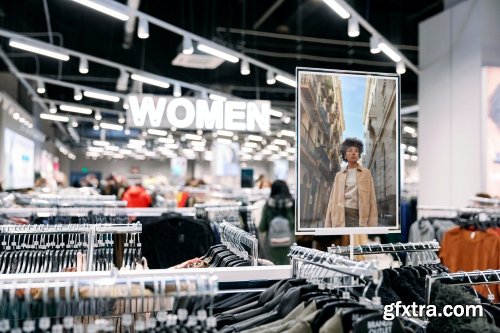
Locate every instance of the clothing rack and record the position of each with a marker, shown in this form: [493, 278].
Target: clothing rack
[65, 197]
[444, 211]
[461, 279]
[338, 263]
[152, 288]
[90, 230]
[233, 237]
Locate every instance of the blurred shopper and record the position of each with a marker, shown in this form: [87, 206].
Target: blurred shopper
[262, 182]
[137, 196]
[278, 223]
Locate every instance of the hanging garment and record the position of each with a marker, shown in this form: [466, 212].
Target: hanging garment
[173, 239]
[469, 250]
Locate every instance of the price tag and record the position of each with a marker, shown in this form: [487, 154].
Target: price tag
[68, 322]
[29, 326]
[44, 323]
[58, 328]
[126, 319]
[140, 325]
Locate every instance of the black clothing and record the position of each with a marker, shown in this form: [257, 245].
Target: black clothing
[173, 239]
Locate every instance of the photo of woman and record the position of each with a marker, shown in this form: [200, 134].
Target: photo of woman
[348, 152]
[352, 200]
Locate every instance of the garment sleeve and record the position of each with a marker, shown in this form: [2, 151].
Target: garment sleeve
[373, 217]
[331, 204]
[264, 222]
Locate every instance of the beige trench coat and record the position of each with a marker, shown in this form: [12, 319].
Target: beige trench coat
[368, 214]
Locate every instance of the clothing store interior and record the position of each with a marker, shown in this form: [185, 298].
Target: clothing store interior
[249, 166]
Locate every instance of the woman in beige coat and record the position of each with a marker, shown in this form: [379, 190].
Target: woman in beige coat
[352, 200]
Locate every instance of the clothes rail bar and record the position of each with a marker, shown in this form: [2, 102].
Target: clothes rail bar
[462, 278]
[106, 211]
[385, 248]
[334, 262]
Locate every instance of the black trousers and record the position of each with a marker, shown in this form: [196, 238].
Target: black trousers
[351, 217]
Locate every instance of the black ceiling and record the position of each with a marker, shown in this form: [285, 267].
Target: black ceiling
[229, 22]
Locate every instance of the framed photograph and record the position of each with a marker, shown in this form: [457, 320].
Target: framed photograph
[348, 131]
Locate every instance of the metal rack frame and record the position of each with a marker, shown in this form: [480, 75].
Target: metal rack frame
[461, 279]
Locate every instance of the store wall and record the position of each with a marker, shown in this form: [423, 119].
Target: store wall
[122, 167]
[454, 45]
[197, 169]
[202, 169]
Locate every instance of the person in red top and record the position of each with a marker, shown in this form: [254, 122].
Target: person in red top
[137, 196]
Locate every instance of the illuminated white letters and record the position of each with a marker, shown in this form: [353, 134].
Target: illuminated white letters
[172, 112]
[149, 111]
[256, 116]
[147, 108]
[209, 117]
[234, 113]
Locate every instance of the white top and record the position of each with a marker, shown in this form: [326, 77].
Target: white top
[351, 189]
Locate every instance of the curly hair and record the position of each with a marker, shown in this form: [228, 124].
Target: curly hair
[350, 142]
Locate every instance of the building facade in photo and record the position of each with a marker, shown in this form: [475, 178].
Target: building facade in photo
[379, 120]
[321, 128]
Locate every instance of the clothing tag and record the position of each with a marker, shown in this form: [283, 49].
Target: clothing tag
[473, 235]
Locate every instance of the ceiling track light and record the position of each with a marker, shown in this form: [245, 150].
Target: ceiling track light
[374, 41]
[52, 108]
[187, 45]
[400, 67]
[177, 90]
[98, 115]
[225, 133]
[75, 109]
[389, 52]
[157, 132]
[104, 9]
[48, 116]
[270, 78]
[83, 68]
[39, 49]
[95, 127]
[143, 28]
[337, 8]
[218, 53]
[151, 81]
[122, 83]
[352, 27]
[245, 67]
[286, 80]
[121, 119]
[101, 96]
[215, 97]
[74, 123]
[125, 104]
[114, 127]
[40, 87]
[77, 94]
[275, 113]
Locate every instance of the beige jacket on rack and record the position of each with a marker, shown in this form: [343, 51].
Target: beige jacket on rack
[368, 214]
